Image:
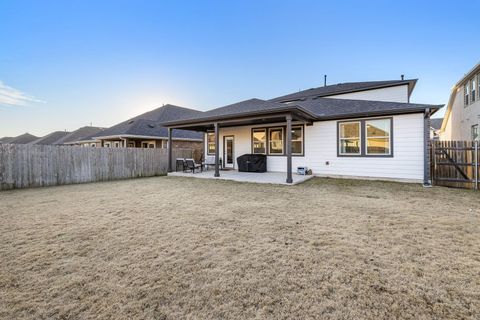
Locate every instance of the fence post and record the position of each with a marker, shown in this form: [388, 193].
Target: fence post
[476, 164]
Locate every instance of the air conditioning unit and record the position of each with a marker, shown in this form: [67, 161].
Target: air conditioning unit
[302, 170]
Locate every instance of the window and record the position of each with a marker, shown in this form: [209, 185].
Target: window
[211, 143]
[259, 138]
[365, 138]
[297, 140]
[107, 144]
[466, 91]
[93, 145]
[474, 87]
[148, 144]
[349, 138]
[164, 144]
[131, 145]
[116, 144]
[378, 136]
[475, 132]
[275, 141]
[478, 86]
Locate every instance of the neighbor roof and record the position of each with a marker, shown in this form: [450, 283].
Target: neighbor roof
[342, 88]
[79, 134]
[5, 139]
[22, 139]
[50, 138]
[147, 124]
[436, 123]
[314, 109]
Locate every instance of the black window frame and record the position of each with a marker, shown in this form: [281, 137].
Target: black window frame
[267, 146]
[363, 139]
[266, 140]
[206, 146]
[475, 126]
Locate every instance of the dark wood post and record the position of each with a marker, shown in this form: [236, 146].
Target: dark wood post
[289, 148]
[217, 151]
[170, 147]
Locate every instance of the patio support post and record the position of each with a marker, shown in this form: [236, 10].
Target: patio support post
[289, 148]
[217, 151]
[170, 153]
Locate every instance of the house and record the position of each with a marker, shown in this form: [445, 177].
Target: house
[435, 125]
[144, 131]
[5, 139]
[362, 129]
[50, 139]
[80, 135]
[21, 139]
[462, 116]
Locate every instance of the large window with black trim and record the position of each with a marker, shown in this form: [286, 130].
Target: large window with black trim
[365, 138]
[271, 140]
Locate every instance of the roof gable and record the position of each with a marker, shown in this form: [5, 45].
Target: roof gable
[147, 124]
[343, 88]
[79, 134]
[50, 138]
[23, 139]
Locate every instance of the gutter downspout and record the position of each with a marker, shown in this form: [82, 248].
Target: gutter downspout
[427, 182]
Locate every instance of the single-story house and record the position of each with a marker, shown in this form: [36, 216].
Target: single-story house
[144, 131]
[362, 129]
[25, 138]
[51, 138]
[81, 135]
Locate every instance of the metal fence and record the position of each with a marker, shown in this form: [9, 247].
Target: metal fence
[24, 166]
[455, 164]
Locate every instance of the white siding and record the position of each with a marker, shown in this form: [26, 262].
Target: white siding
[321, 146]
[392, 94]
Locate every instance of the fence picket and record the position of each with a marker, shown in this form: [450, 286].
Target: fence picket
[24, 166]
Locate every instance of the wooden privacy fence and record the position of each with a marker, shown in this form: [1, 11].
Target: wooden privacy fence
[24, 166]
[455, 164]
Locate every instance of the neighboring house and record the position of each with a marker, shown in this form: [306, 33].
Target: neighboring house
[50, 139]
[462, 117]
[435, 125]
[144, 131]
[343, 130]
[5, 139]
[79, 135]
[21, 139]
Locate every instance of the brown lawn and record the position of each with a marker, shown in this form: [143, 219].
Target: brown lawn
[175, 248]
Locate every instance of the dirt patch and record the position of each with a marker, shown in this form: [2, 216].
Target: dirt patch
[172, 248]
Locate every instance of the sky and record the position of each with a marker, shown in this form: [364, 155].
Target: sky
[67, 64]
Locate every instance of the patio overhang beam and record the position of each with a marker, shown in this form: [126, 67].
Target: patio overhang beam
[244, 121]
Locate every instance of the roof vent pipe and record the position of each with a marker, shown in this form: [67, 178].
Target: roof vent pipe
[325, 80]
[402, 76]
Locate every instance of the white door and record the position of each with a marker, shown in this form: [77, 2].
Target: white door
[228, 152]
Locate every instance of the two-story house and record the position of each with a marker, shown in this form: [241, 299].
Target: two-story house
[462, 117]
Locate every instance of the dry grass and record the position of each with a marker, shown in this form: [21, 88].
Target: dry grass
[172, 248]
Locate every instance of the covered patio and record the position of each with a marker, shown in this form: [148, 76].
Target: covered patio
[252, 177]
[249, 112]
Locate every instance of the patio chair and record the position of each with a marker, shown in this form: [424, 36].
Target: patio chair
[209, 161]
[180, 163]
[191, 165]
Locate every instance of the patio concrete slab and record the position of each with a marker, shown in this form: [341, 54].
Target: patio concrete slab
[254, 177]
